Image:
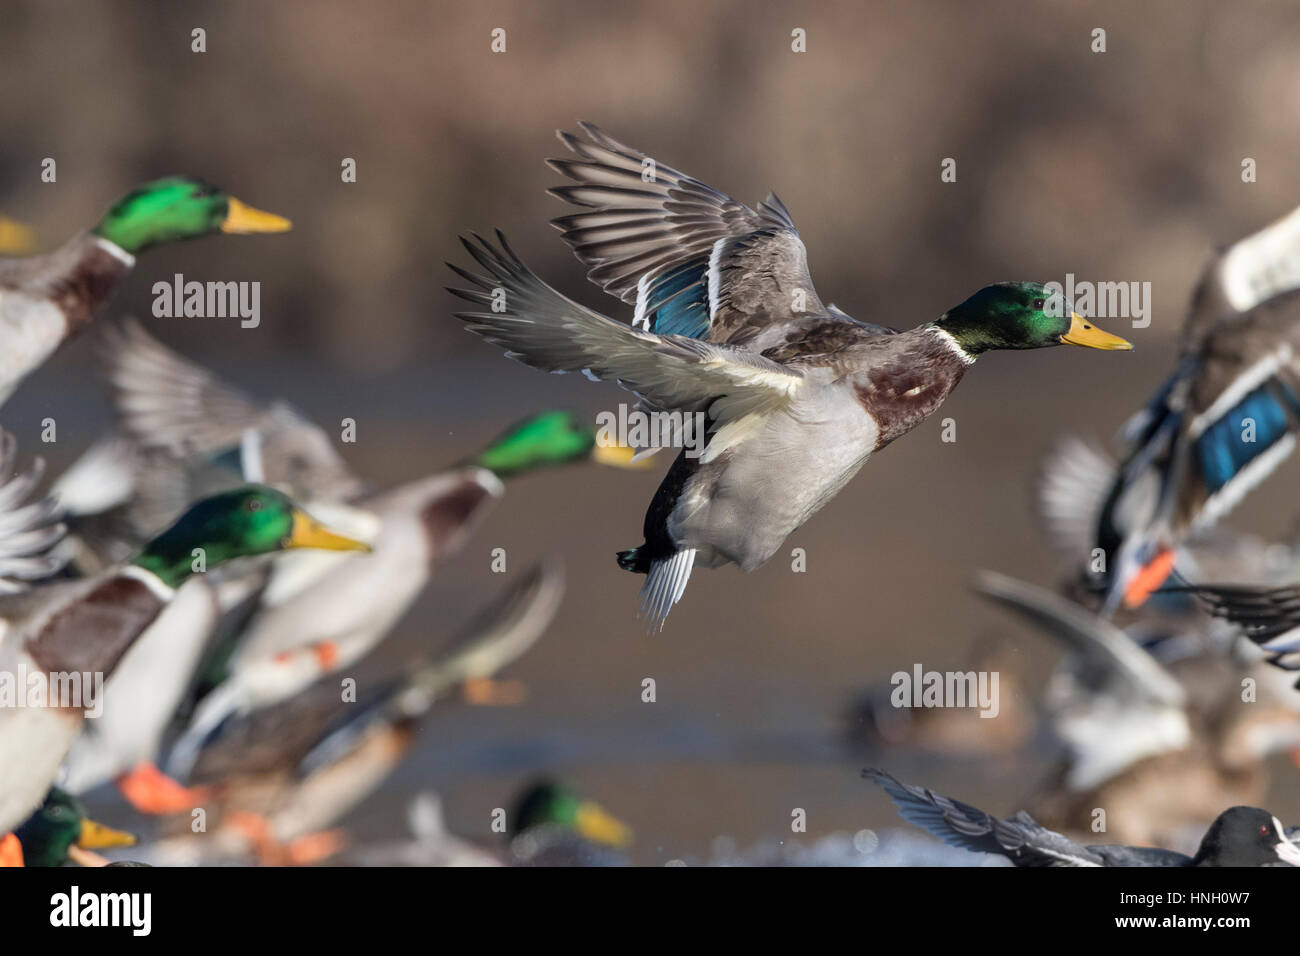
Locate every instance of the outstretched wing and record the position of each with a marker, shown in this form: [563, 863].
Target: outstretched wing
[29, 526]
[1122, 664]
[542, 328]
[1268, 616]
[1223, 422]
[166, 402]
[1022, 840]
[694, 261]
[1075, 479]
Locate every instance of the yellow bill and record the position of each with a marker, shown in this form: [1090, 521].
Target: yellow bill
[241, 218]
[96, 836]
[307, 532]
[1083, 332]
[15, 238]
[618, 456]
[594, 823]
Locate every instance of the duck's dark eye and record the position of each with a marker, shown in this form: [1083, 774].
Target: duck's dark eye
[254, 504]
[1038, 303]
[203, 192]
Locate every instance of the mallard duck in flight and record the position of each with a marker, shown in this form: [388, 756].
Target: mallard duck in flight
[46, 299]
[1219, 425]
[797, 394]
[282, 775]
[1147, 723]
[85, 627]
[186, 429]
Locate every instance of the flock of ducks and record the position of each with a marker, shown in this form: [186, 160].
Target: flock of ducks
[161, 560]
[222, 567]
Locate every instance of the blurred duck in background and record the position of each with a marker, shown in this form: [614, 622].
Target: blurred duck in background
[46, 299]
[1219, 425]
[252, 638]
[554, 825]
[85, 627]
[279, 778]
[1155, 731]
[59, 832]
[550, 824]
[1239, 836]
[874, 722]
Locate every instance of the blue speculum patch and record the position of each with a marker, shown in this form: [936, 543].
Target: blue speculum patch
[677, 303]
[1223, 448]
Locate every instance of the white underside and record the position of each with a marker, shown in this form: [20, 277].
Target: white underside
[33, 742]
[144, 691]
[30, 330]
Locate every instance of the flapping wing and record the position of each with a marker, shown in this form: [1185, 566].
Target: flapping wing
[694, 261]
[1075, 481]
[166, 402]
[1021, 840]
[1095, 639]
[29, 525]
[1268, 616]
[1222, 423]
[542, 328]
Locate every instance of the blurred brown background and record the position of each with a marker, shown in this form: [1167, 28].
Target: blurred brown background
[1116, 166]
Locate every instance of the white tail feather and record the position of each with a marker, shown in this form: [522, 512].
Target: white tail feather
[664, 587]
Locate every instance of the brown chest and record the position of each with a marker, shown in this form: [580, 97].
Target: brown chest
[86, 286]
[94, 632]
[901, 393]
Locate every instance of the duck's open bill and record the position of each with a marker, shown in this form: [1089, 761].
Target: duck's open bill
[241, 218]
[1082, 332]
[309, 533]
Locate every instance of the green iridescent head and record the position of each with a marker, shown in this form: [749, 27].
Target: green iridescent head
[59, 829]
[550, 804]
[551, 438]
[235, 524]
[178, 207]
[1021, 315]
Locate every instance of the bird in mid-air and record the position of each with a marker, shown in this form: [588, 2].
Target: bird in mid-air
[797, 395]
